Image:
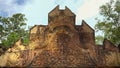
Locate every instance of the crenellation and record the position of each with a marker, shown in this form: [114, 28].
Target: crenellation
[61, 43]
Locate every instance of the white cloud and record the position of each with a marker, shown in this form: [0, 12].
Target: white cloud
[89, 8]
[9, 7]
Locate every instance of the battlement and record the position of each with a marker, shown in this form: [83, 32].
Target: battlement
[57, 11]
[63, 41]
[64, 16]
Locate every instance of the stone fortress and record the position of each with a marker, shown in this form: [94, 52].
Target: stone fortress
[65, 44]
[61, 43]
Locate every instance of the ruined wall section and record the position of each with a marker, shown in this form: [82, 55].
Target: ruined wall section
[108, 46]
[42, 34]
[58, 18]
[33, 32]
[61, 43]
[61, 38]
[107, 54]
[86, 35]
[37, 36]
[100, 55]
[111, 53]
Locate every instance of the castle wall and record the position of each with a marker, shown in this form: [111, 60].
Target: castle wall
[34, 29]
[66, 44]
[33, 32]
[108, 46]
[86, 36]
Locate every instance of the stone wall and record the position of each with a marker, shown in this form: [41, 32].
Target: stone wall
[65, 43]
[61, 43]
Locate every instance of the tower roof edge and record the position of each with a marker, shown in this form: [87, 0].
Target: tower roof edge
[54, 11]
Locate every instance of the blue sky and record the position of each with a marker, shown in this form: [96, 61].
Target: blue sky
[36, 11]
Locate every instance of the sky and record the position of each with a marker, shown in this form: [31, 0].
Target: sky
[36, 11]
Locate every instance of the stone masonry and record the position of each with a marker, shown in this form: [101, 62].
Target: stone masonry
[63, 44]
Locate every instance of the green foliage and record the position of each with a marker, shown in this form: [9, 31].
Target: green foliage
[11, 39]
[110, 24]
[26, 38]
[99, 39]
[12, 29]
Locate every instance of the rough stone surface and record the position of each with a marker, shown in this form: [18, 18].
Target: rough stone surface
[65, 44]
[61, 43]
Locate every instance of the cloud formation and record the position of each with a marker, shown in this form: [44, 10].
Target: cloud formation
[9, 7]
[89, 8]
[21, 2]
[36, 11]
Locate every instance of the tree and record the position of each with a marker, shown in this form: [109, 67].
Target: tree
[99, 39]
[12, 29]
[110, 22]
